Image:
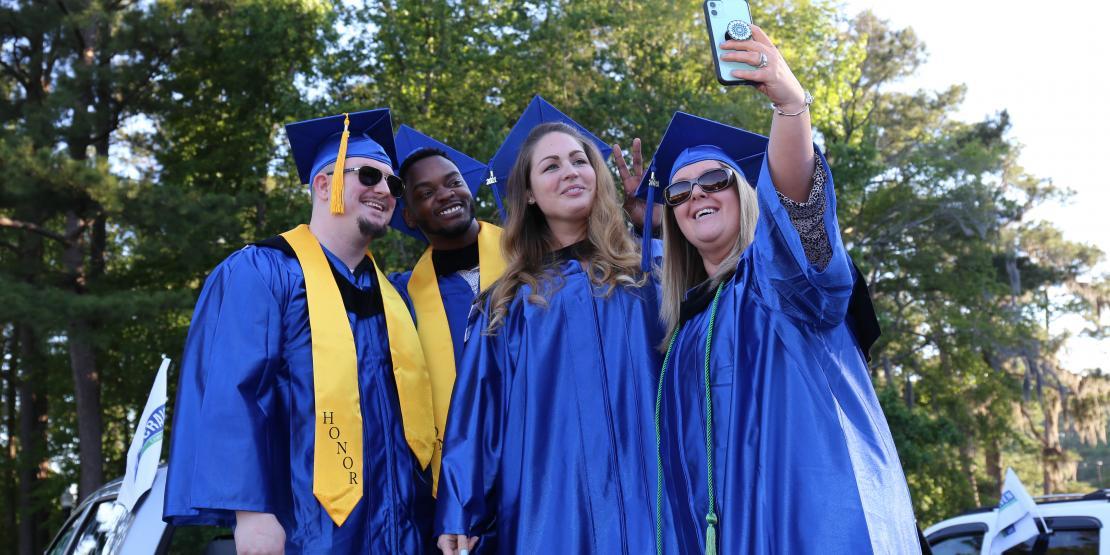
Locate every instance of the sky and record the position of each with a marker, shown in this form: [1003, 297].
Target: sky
[1048, 64]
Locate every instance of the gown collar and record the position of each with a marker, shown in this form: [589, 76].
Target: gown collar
[454, 260]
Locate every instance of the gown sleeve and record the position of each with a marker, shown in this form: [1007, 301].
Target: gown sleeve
[473, 439]
[225, 442]
[787, 280]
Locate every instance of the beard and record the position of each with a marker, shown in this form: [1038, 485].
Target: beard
[370, 230]
[455, 230]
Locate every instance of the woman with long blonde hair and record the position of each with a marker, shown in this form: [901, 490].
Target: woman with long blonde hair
[771, 438]
[548, 440]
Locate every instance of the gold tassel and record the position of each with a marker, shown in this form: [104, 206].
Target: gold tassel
[338, 177]
[711, 534]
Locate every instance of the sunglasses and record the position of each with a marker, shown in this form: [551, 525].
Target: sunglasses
[370, 176]
[711, 181]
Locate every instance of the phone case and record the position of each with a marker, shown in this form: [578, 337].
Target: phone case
[718, 14]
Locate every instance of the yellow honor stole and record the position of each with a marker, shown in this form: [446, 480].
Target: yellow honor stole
[337, 459]
[435, 334]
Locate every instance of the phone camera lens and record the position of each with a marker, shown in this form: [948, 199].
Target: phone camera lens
[713, 5]
[713, 12]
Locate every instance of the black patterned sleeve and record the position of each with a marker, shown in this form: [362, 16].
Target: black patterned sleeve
[809, 220]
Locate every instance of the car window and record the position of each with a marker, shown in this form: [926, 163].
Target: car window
[62, 540]
[970, 543]
[103, 530]
[1063, 542]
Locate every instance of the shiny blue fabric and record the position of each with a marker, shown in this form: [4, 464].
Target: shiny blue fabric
[549, 440]
[457, 298]
[242, 435]
[804, 460]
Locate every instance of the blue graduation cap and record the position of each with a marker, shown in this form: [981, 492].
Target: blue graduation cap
[409, 141]
[538, 111]
[321, 141]
[691, 139]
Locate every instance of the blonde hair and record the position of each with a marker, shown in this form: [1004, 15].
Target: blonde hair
[682, 264]
[613, 258]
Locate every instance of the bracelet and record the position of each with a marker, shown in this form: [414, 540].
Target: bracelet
[805, 107]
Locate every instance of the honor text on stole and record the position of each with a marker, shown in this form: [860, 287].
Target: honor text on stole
[345, 459]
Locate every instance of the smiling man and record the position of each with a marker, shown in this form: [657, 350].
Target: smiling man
[304, 411]
[463, 257]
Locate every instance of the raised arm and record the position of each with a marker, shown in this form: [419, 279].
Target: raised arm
[790, 153]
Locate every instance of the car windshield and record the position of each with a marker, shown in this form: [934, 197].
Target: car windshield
[103, 531]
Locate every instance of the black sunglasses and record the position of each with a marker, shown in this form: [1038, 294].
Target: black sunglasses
[370, 176]
[711, 181]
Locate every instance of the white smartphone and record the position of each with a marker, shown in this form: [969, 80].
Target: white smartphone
[724, 19]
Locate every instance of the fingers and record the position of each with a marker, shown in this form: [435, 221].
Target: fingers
[473, 541]
[448, 544]
[618, 159]
[750, 57]
[463, 544]
[759, 36]
[637, 157]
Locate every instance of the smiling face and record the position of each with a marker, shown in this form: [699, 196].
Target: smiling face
[437, 200]
[367, 209]
[709, 221]
[563, 183]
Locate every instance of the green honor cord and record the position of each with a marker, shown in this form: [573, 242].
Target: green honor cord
[711, 517]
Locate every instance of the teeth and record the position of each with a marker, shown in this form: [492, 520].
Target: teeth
[451, 210]
[704, 212]
[374, 204]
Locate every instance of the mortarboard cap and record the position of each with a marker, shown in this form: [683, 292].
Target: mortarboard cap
[409, 141]
[538, 111]
[691, 139]
[318, 142]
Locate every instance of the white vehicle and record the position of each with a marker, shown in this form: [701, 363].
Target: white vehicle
[99, 525]
[1076, 520]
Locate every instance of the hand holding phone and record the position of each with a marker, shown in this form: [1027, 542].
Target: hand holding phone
[727, 20]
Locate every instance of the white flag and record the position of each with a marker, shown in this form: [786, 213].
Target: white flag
[146, 446]
[1016, 513]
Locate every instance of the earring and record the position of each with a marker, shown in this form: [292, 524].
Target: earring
[531, 201]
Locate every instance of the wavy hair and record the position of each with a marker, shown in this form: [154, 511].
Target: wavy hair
[682, 264]
[613, 256]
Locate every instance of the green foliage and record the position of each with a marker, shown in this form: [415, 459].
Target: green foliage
[142, 142]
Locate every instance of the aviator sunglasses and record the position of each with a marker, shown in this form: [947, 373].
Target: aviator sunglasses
[370, 176]
[711, 181]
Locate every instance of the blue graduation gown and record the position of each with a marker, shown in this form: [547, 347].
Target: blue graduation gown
[804, 460]
[549, 436]
[457, 298]
[242, 436]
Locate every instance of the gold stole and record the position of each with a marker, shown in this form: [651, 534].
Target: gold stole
[337, 459]
[435, 334]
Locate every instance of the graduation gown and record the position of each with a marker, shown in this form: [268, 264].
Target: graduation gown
[804, 460]
[242, 436]
[549, 434]
[455, 292]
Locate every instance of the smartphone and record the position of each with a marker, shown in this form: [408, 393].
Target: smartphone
[718, 15]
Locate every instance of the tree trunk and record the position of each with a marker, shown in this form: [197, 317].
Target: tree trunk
[993, 458]
[82, 359]
[32, 443]
[11, 491]
[967, 461]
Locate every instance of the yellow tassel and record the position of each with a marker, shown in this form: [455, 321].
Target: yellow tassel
[338, 177]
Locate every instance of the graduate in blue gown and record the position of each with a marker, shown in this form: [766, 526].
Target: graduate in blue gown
[463, 256]
[549, 434]
[771, 437]
[249, 402]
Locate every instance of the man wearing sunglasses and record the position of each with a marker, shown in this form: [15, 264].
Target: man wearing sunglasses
[304, 413]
